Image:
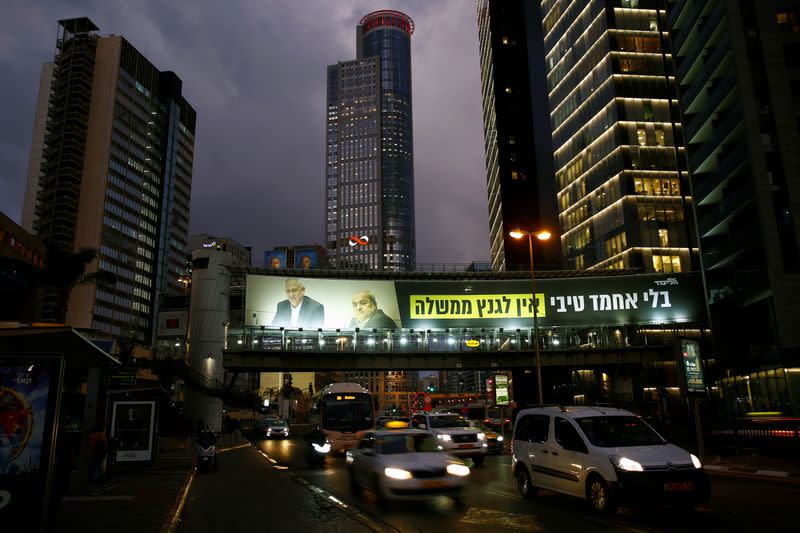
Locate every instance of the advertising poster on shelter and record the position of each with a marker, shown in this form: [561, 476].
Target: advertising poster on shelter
[132, 425]
[28, 405]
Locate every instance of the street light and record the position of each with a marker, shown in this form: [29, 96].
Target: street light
[542, 235]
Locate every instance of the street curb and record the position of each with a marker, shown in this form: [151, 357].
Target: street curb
[174, 515]
[748, 471]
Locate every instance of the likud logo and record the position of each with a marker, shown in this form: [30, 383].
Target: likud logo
[358, 241]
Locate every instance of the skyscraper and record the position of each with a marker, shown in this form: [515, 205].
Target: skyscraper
[369, 153]
[114, 174]
[739, 83]
[516, 123]
[623, 190]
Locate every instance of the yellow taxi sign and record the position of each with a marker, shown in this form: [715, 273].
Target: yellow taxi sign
[472, 343]
[396, 424]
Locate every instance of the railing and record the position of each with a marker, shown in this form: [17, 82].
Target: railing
[775, 436]
[256, 338]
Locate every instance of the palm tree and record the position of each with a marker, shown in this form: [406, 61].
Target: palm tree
[67, 270]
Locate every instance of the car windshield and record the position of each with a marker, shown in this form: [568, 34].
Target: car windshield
[449, 422]
[479, 425]
[394, 444]
[278, 423]
[617, 431]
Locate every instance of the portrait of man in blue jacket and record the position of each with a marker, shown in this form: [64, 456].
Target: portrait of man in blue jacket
[298, 310]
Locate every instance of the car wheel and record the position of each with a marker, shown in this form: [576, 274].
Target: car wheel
[478, 460]
[524, 485]
[599, 495]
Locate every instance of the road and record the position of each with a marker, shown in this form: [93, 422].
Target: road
[271, 484]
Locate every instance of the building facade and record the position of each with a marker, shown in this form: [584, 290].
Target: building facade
[738, 72]
[114, 175]
[241, 255]
[623, 191]
[517, 136]
[369, 150]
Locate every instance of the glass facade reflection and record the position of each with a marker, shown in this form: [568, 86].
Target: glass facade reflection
[369, 150]
[623, 195]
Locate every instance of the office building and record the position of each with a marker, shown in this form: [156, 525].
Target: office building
[738, 72]
[114, 175]
[369, 150]
[517, 134]
[623, 192]
[241, 255]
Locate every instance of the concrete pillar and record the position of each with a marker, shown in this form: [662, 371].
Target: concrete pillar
[208, 313]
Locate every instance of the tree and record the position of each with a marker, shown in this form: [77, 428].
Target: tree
[67, 270]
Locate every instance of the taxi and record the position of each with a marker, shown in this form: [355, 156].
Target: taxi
[494, 441]
[405, 464]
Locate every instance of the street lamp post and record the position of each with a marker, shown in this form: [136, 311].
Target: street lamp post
[542, 235]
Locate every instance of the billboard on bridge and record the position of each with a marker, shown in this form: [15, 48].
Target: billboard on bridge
[337, 303]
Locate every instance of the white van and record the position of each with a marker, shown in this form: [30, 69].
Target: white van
[607, 456]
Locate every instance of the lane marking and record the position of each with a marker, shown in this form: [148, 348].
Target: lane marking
[97, 498]
[173, 517]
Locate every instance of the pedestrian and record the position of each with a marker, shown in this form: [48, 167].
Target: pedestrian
[98, 452]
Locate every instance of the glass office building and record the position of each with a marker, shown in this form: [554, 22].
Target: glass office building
[517, 137]
[369, 150]
[113, 175]
[623, 194]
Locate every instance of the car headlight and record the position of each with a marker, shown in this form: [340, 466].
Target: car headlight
[349, 457]
[443, 437]
[481, 436]
[500, 438]
[695, 461]
[325, 448]
[458, 470]
[629, 465]
[397, 473]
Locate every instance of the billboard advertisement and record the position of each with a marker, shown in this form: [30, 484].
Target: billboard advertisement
[305, 258]
[28, 412]
[501, 389]
[132, 424]
[335, 303]
[275, 259]
[172, 323]
[692, 366]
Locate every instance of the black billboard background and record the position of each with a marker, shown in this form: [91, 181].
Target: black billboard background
[638, 299]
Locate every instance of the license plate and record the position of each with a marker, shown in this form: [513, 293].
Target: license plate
[465, 445]
[435, 484]
[678, 486]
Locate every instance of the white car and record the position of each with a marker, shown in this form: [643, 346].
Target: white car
[454, 434]
[277, 428]
[605, 455]
[405, 464]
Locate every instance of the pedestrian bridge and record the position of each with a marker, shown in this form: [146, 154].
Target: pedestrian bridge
[260, 348]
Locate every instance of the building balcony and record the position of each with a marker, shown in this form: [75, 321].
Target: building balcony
[709, 27]
[710, 64]
[676, 10]
[717, 92]
[692, 20]
[728, 249]
[722, 130]
[707, 187]
[714, 220]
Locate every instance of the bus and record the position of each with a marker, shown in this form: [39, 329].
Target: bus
[346, 412]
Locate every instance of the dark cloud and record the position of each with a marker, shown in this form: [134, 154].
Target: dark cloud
[254, 70]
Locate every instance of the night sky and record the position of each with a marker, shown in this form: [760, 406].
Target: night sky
[254, 70]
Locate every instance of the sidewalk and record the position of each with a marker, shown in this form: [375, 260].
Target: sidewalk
[139, 498]
[755, 465]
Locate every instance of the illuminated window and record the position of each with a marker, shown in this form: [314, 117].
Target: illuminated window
[579, 262]
[505, 39]
[648, 110]
[661, 138]
[642, 136]
[788, 21]
[663, 238]
[653, 23]
[508, 90]
[667, 263]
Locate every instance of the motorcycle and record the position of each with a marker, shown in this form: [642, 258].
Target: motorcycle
[206, 453]
[319, 449]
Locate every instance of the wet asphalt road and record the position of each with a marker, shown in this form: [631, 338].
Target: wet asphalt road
[251, 493]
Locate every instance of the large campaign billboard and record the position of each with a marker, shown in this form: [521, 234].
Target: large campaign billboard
[584, 301]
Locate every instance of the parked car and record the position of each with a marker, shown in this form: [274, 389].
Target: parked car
[606, 456]
[405, 464]
[277, 429]
[454, 434]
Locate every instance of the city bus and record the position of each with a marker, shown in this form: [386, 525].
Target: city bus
[346, 412]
